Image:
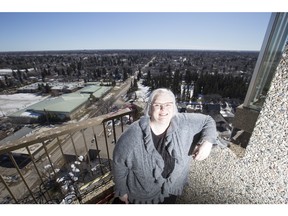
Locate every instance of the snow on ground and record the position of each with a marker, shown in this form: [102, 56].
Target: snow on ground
[142, 93]
[14, 102]
[107, 96]
[5, 71]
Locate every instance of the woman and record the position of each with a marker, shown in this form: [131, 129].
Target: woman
[150, 159]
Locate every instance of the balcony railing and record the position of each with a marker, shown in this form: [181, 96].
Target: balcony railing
[66, 164]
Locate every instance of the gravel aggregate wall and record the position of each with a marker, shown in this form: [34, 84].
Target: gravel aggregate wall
[260, 176]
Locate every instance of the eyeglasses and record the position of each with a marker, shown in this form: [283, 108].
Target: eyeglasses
[167, 105]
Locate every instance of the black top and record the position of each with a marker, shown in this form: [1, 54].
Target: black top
[169, 161]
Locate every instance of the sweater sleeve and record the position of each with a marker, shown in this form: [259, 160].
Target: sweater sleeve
[204, 127]
[121, 154]
[208, 132]
[119, 170]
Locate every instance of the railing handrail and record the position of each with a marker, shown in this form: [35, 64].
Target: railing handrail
[54, 155]
[61, 130]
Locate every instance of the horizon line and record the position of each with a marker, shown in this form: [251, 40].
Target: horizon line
[124, 49]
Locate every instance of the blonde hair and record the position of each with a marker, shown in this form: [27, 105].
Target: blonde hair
[147, 110]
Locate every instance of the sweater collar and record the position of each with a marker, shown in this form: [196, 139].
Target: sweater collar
[150, 148]
[145, 127]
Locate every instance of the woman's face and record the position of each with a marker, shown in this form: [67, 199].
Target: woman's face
[162, 108]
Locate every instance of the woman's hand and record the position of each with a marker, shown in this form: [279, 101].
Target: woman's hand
[124, 198]
[202, 151]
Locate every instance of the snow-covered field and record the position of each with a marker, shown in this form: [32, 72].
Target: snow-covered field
[12, 103]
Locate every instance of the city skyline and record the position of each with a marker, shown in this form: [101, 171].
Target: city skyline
[40, 31]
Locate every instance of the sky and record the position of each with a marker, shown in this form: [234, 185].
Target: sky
[26, 31]
[34, 25]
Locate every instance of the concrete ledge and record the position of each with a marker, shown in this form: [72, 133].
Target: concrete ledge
[245, 118]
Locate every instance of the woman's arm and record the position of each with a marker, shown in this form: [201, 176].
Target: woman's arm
[209, 131]
[208, 138]
[202, 151]
[119, 168]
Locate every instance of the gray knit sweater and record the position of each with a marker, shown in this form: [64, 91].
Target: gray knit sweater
[137, 165]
